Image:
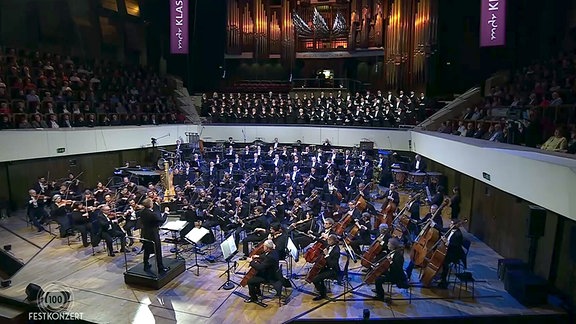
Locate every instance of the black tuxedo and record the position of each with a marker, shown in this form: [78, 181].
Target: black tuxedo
[151, 222]
[454, 253]
[267, 268]
[395, 273]
[330, 271]
[421, 167]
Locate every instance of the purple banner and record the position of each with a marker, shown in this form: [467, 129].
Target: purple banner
[493, 23]
[179, 26]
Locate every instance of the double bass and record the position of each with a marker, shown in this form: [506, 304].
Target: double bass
[437, 259]
[426, 239]
[386, 214]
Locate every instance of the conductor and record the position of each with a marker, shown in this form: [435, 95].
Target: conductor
[151, 222]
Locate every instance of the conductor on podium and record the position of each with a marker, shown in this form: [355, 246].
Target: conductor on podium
[151, 222]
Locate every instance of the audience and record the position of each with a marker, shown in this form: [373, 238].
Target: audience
[45, 90]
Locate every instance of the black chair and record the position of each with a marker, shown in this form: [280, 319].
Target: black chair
[464, 278]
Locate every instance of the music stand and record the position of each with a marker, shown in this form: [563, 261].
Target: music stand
[293, 255]
[194, 236]
[175, 227]
[229, 250]
[348, 288]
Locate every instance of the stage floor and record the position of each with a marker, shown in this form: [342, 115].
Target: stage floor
[101, 296]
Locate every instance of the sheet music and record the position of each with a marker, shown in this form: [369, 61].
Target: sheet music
[196, 234]
[428, 194]
[174, 225]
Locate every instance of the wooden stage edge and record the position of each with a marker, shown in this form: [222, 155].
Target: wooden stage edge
[100, 294]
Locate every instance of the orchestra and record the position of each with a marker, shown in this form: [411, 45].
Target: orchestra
[264, 196]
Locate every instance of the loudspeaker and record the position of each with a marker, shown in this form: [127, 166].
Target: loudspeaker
[573, 244]
[33, 291]
[506, 265]
[9, 264]
[527, 288]
[537, 221]
[366, 146]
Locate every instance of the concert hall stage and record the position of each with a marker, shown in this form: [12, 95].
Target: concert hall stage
[101, 296]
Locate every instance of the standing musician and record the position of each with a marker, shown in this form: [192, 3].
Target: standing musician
[455, 252]
[395, 273]
[332, 268]
[151, 222]
[455, 203]
[413, 208]
[257, 229]
[267, 268]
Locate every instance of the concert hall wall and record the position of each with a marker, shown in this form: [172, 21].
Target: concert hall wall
[501, 220]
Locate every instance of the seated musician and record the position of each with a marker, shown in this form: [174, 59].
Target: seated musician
[301, 231]
[296, 213]
[332, 268]
[392, 194]
[59, 213]
[395, 273]
[109, 229]
[383, 237]
[455, 252]
[81, 222]
[256, 229]
[280, 239]
[363, 236]
[35, 209]
[131, 217]
[436, 217]
[267, 272]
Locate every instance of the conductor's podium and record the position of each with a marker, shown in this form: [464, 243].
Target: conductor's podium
[137, 276]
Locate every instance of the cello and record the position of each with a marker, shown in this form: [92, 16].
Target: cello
[251, 273]
[437, 259]
[319, 264]
[374, 250]
[426, 239]
[379, 268]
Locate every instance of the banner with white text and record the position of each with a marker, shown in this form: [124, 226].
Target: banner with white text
[493, 23]
[179, 26]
